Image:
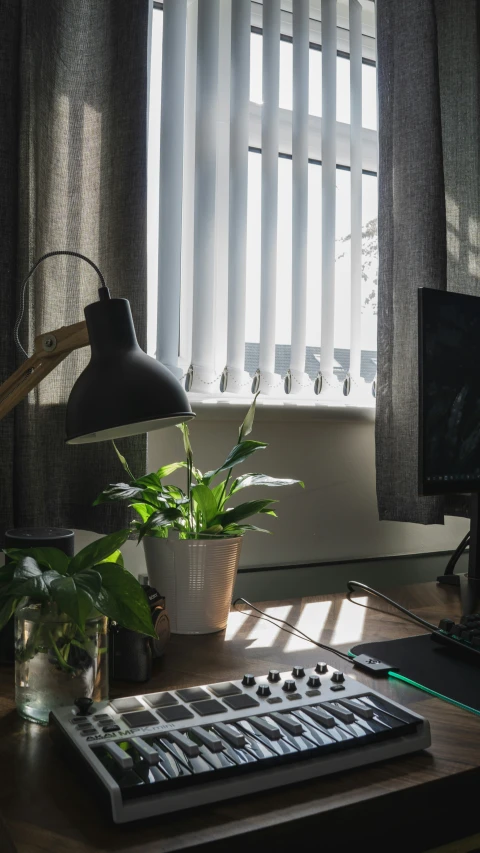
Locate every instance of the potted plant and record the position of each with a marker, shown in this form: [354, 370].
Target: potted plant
[192, 538]
[61, 605]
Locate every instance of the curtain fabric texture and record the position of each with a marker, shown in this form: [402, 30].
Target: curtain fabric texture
[73, 131]
[428, 219]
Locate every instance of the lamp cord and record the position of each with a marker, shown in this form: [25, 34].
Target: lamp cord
[353, 585]
[25, 282]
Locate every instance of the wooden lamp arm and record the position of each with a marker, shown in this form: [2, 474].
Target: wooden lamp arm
[50, 349]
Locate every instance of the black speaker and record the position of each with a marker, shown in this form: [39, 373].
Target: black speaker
[32, 537]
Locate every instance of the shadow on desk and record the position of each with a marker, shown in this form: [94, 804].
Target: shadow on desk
[6, 843]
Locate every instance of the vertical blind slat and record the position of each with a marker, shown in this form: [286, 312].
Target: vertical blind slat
[329, 96]
[171, 181]
[356, 186]
[299, 190]
[237, 242]
[271, 73]
[203, 349]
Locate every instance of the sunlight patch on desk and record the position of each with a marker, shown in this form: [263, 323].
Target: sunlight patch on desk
[264, 634]
[350, 622]
[236, 621]
[311, 621]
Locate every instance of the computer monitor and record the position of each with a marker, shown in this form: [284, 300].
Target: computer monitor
[449, 405]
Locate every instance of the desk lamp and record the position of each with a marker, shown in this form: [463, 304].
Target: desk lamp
[121, 392]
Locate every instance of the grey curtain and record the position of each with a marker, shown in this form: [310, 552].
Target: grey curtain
[429, 213]
[73, 131]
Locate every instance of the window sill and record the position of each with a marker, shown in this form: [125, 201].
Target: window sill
[286, 410]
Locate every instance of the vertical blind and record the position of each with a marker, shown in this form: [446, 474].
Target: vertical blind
[208, 126]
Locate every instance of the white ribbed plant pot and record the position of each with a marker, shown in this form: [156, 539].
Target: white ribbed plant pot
[196, 577]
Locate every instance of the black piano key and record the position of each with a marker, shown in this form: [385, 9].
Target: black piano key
[266, 726]
[358, 708]
[169, 764]
[257, 746]
[148, 772]
[337, 710]
[336, 733]
[240, 756]
[316, 734]
[125, 778]
[288, 723]
[280, 746]
[383, 705]
[229, 734]
[299, 742]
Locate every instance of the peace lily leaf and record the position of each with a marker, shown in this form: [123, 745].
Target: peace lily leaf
[247, 425]
[144, 510]
[166, 470]
[244, 510]
[160, 519]
[186, 440]
[123, 461]
[118, 492]
[247, 480]
[204, 498]
[237, 455]
[220, 494]
[215, 529]
[239, 530]
[51, 558]
[123, 599]
[152, 481]
[97, 551]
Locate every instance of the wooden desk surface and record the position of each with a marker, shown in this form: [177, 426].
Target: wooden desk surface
[46, 809]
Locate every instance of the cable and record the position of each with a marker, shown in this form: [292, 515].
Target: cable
[296, 631]
[356, 584]
[456, 555]
[25, 281]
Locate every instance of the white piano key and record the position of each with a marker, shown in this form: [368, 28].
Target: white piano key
[145, 750]
[122, 758]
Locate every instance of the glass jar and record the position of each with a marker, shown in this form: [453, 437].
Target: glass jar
[54, 662]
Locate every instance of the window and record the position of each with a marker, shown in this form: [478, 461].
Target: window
[206, 377]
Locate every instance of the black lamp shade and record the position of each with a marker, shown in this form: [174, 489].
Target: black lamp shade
[122, 391]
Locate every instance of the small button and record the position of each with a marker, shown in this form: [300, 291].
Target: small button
[298, 672]
[313, 681]
[112, 727]
[321, 668]
[273, 675]
[174, 713]
[209, 706]
[289, 686]
[274, 700]
[76, 720]
[102, 717]
[238, 703]
[338, 677]
[248, 680]
[293, 696]
[90, 731]
[263, 690]
[312, 692]
[192, 694]
[337, 687]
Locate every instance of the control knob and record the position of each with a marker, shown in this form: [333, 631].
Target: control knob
[313, 681]
[263, 690]
[321, 668]
[248, 680]
[338, 677]
[289, 685]
[298, 672]
[273, 675]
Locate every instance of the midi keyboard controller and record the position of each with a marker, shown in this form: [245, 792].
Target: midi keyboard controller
[157, 753]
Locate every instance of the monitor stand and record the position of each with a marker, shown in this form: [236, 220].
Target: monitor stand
[470, 582]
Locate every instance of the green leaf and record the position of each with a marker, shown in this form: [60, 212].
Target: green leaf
[247, 480]
[97, 551]
[6, 573]
[114, 557]
[144, 510]
[237, 455]
[163, 518]
[150, 481]
[220, 494]
[123, 599]
[51, 558]
[247, 425]
[90, 581]
[239, 530]
[166, 470]
[64, 593]
[245, 510]
[26, 568]
[186, 440]
[205, 500]
[214, 530]
[118, 492]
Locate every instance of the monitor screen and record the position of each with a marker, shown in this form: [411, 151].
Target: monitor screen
[449, 392]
